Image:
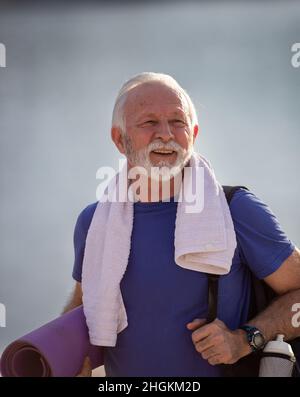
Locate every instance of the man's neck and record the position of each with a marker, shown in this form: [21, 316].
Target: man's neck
[163, 190]
[153, 190]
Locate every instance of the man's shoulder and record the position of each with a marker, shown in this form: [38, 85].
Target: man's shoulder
[247, 207]
[245, 200]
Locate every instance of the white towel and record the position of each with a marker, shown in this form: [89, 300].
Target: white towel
[204, 241]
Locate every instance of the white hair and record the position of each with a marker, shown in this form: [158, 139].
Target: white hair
[146, 77]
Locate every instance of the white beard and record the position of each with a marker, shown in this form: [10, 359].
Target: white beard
[163, 170]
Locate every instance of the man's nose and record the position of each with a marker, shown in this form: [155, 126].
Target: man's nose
[164, 132]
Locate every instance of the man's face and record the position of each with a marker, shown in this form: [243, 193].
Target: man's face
[156, 118]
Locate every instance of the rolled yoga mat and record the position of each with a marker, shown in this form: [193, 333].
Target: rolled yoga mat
[58, 348]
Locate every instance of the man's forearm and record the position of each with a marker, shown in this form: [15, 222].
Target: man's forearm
[75, 299]
[72, 304]
[277, 318]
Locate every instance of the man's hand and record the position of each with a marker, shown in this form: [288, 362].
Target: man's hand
[75, 299]
[86, 369]
[218, 344]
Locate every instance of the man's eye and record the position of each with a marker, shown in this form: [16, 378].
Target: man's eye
[178, 122]
[149, 122]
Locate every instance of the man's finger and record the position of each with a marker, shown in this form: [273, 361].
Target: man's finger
[208, 353]
[196, 323]
[203, 332]
[214, 360]
[204, 344]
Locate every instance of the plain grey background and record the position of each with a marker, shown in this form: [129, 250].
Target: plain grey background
[64, 68]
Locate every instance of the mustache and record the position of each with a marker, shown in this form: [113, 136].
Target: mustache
[160, 146]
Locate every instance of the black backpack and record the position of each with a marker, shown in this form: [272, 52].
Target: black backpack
[261, 296]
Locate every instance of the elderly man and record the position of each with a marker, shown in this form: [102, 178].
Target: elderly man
[155, 124]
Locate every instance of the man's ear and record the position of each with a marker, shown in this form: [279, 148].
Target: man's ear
[117, 137]
[195, 132]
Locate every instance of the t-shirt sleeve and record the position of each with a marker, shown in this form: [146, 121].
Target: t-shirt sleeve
[263, 244]
[80, 232]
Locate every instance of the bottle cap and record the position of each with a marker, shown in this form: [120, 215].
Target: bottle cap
[279, 346]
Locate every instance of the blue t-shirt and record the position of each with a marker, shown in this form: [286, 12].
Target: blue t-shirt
[161, 297]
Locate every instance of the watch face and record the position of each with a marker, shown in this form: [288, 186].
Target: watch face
[258, 340]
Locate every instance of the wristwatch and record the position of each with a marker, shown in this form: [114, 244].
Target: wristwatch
[255, 338]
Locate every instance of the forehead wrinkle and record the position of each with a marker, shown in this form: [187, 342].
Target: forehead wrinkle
[151, 107]
[179, 112]
[137, 101]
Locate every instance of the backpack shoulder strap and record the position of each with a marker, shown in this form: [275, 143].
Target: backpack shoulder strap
[213, 279]
[230, 190]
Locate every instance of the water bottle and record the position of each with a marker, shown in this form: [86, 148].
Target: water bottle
[278, 359]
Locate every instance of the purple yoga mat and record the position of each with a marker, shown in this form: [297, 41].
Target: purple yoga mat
[58, 348]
